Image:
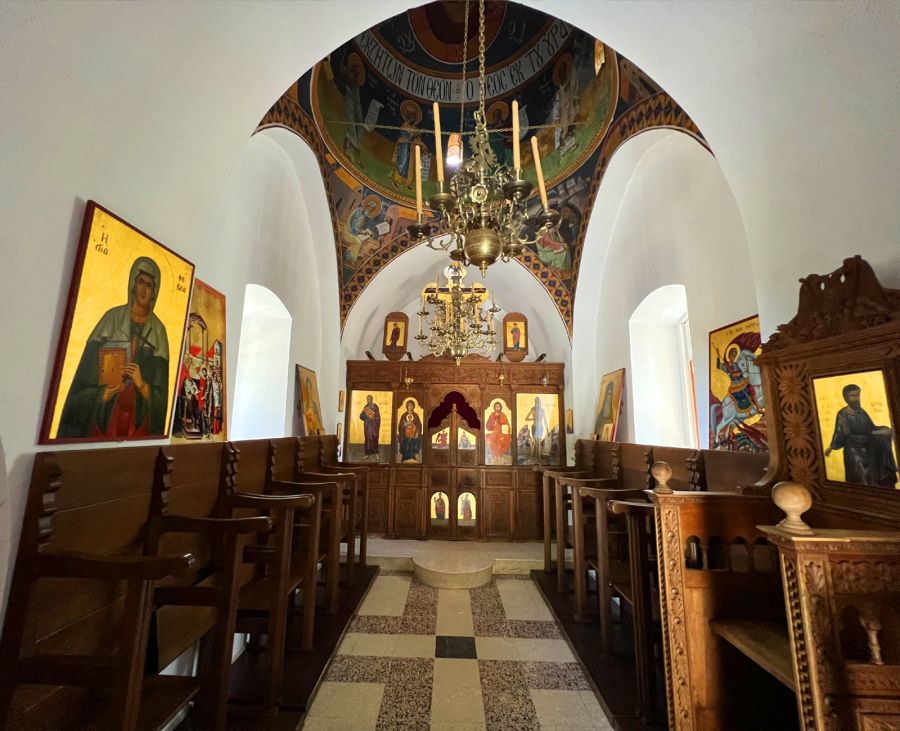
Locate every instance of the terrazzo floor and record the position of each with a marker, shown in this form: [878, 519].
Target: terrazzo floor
[416, 657]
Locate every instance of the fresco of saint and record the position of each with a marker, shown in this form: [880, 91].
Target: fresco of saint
[403, 173]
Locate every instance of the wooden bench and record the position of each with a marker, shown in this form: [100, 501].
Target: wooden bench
[82, 597]
[185, 506]
[584, 466]
[603, 549]
[715, 559]
[328, 464]
[641, 592]
[284, 562]
[335, 492]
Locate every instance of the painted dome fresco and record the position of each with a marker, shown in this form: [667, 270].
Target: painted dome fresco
[365, 106]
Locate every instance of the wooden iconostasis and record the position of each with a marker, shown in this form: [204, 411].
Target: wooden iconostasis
[452, 448]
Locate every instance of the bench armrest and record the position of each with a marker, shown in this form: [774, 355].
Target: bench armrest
[330, 475]
[88, 566]
[609, 493]
[270, 502]
[219, 526]
[291, 487]
[602, 482]
[334, 469]
[629, 507]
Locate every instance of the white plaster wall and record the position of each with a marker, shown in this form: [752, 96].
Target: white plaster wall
[664, 216]
[145, 107]
[796, 99]
[799, 104]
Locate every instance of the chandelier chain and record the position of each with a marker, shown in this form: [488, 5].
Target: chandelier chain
[465, 63]
[481, 81]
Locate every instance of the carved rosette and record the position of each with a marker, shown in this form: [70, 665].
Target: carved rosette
[797, 415]
[865, 577]
[678, 677]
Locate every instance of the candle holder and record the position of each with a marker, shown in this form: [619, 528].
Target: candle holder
[517, 189]
[548, 219]
[419, 230]
[443, 200]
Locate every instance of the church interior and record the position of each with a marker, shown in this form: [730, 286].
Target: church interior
[466, 364]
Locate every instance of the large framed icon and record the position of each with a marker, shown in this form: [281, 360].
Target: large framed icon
[120, 346]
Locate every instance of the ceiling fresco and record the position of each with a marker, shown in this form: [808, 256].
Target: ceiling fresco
[364, 108]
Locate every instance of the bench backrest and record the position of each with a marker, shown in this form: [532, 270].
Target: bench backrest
[686, 466]
[729, 471]
[633, 469]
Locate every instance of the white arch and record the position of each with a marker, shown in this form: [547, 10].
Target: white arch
[664, 214]
[661, 378]
[398, 285]
[263, 366]
[734, 67]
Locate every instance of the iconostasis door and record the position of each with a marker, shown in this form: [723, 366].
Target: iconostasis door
[453, 491]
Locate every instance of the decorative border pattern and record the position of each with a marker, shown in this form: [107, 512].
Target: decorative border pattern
[658, 111]
[678, 674]
[798, 640]
[795, 405]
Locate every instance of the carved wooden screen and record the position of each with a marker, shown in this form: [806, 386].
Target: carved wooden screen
[832, 376]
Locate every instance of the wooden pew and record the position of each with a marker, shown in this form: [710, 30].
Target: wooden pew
[334, 491]
[641, 592]
[328, 464]
[80, 607]
[185, 508]
[284, 561]
[730, 471]
[674, 468]
[584, 466]
[715, 559]
[603, 549]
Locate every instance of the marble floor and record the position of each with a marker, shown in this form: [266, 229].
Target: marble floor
[416, 657]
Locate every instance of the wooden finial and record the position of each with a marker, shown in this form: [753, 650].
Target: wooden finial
[662, 473]
[794, 499]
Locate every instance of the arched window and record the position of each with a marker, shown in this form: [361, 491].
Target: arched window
[263, 367]
[662, 383]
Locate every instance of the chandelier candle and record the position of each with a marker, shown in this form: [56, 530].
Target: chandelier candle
[481, 213]
[539, 172]
[517, 157]
[438, 149]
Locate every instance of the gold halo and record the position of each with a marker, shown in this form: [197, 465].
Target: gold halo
[728, 353]
[561, 68]
[408, 105]
[378, 203]
[354, 61]
[500, 106]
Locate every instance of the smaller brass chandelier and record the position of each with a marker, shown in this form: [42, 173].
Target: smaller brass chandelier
[484, 208]
[460, 324]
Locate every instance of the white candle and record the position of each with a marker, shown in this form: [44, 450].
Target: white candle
[419, 181]
[540, 174]
[439, 151]
[517, 158]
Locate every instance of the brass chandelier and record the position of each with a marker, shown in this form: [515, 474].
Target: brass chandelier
[460, 324]
[483, 206]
